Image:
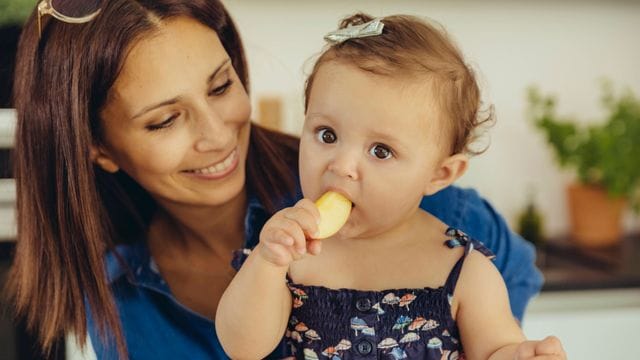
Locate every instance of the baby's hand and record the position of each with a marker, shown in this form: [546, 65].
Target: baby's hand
[548, 348]
[284, 236]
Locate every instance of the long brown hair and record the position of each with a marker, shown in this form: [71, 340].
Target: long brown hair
[413, 47]
[69, 211]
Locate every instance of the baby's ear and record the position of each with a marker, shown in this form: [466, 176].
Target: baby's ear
[100, 157]
[449, 170]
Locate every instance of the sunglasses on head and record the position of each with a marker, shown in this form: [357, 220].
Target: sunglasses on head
[69, 11]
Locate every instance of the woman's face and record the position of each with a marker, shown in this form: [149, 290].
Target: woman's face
[177, 118]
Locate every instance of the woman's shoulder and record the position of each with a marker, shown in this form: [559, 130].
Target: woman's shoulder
[464, 209]
[124, 258]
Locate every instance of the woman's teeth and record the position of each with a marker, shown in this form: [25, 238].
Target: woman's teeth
[217, 168]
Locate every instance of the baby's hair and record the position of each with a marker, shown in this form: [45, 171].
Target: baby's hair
[411, 47]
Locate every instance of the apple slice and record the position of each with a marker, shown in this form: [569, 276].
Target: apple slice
[334, 212]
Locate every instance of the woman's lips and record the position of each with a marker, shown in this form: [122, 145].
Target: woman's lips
[219, 169]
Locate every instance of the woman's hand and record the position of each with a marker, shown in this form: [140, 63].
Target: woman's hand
[286, 237]
[548, 348]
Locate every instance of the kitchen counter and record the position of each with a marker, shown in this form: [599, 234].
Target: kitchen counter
[569, 267]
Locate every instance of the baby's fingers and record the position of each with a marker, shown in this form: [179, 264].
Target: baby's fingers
[283, 238]
[550, 346]
[314, 246]
[290, 234]
[276, 254]
[306, 215]
[526, 350]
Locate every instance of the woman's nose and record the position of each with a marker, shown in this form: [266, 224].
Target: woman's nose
[345, 165]
[211, 131]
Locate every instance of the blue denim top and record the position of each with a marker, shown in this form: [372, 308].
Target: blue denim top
[157, 326]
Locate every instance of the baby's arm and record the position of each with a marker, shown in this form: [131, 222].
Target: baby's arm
[487, 328]
[256, 305]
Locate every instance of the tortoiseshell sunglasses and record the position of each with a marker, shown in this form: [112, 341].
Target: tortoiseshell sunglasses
[69, 11]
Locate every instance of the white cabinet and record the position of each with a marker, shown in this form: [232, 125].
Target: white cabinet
[593, 325]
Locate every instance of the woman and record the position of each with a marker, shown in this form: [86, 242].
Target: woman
[139, 174]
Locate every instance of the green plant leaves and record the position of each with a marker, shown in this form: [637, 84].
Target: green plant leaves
[607, 154]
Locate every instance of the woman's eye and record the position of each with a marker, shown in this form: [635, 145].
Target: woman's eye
[217, 91]
[164, 124]
[327, 136]
[381, 152]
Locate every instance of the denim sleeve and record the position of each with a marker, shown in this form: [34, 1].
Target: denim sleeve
[515, 258]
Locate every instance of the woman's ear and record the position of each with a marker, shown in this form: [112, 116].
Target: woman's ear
[450, 169]
[100, 157]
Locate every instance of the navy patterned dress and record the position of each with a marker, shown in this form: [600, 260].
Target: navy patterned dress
[391, 324]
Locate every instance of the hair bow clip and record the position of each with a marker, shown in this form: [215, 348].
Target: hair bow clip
[371, 28]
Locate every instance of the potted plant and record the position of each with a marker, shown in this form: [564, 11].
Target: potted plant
[606, 158]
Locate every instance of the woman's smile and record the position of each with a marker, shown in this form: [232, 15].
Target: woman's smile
[219, 169]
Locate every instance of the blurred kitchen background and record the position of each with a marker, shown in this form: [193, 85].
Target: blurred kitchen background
[566, 49]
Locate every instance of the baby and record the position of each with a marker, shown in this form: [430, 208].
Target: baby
[391, 109]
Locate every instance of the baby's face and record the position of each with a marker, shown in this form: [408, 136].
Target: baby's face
[376, 139]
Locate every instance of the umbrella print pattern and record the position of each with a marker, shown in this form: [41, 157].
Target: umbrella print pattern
[310, 355]
[299, 296]
[378, 310]
[343, 345]
[301, 327]
[435, 343]
[398, 354]
[409, 338]
[396, 348]
[296, 336]
[430, 325]
[330, 351]
[358, 324]
[331, 324]
[407, 299]
[369, 331]
[417, 323]
[387, 343]
[312, 335]
[390, 299]
[401, 323]
[448, 355]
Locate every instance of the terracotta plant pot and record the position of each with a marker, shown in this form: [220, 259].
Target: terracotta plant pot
[595, 217]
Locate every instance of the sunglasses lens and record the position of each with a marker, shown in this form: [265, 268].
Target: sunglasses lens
[76, 8]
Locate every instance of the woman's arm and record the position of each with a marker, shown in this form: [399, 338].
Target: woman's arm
[515, 258]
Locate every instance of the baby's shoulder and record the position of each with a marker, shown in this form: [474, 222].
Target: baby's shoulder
[478, 275]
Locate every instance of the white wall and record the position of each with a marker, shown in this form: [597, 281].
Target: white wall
[564, 47]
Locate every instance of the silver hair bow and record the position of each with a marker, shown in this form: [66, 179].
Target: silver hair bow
[371, 28]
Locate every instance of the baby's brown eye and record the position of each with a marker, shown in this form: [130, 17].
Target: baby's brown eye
[327, 136]
[381, 152]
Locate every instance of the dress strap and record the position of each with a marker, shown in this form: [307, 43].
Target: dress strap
[239, 257]
[458, 238]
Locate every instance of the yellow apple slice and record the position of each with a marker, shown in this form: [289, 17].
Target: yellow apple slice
[334, 212]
